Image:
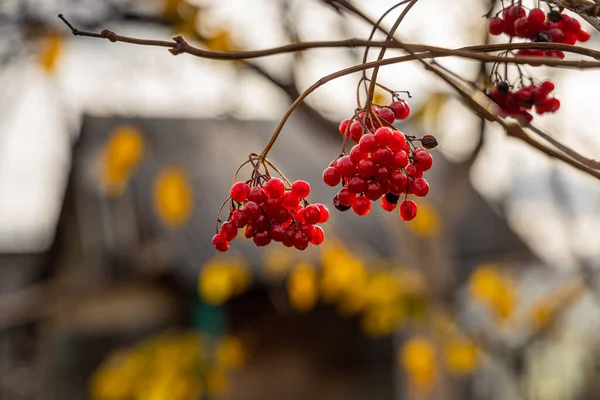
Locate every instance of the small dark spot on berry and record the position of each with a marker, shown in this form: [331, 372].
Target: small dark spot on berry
[392, 198]
[543, 37]
[554, 16]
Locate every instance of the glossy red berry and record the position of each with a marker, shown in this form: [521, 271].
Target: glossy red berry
[367, 143]
[346, 166]
[275, 187]
[401, 109]
[423, 160]
[220, 243]
[537, 15]
[239, 191]
[400, 159]
[312, 214]
[262, 238]
[496, 26]
[301, 189]
[356, 130]
[356, 155]
[420, 187]
[397, 141]
[252, 211]
[356, 184]
[290, 202]
[413, 171]
[338, 205]
[343, 128]
[408, 210]
[331, 176]
[366, 169]
[387, 114]
[257, 195]
[228, 230]
[277, 232]
[583, 36]
[346, 197]
[373, 191]
[382, 137]
[323, 213]
[300, 241]
[318, 236]
[387, 206]
[361, 205]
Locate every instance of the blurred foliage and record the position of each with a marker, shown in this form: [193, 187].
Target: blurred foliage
[302, 287]
[418, 358]
[121, 154]
[489, 286]
[223, 277]
[427, 222]
[461, 356]
[173, 196]
[50, 52]
[170, 366]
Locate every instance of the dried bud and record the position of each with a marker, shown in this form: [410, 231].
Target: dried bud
[543, 37]
[429, 142]
[503, 87]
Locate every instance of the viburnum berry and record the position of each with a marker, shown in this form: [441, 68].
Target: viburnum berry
[422, 160]
[275, 187]
[220, 242]
[496, 26]
[318, 236]
[239, 191]
[386, 205]
[401, 109]
[420, 187]
[516, 103]
[344, 127]
[331, 176]
[408, 210]
[300, 189]
[361, 205]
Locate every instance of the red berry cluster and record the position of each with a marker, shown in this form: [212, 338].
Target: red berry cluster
[517, 103]
[270, 212]
[538, 27]
[382, 166]
[381, 115]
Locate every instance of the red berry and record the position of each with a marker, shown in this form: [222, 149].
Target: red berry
[252, 211]
[382, 175]
[282, 215]
[331, 176]
[323, 213]
[290, 202]
[272, 205]
[382, 137]
[387, 206]
[373, 191]
[401, 109]
[367, 143]
[537, 15]
[408, 210]
[300, 241]
[346, 197]
[277, 232]
[366, 168]
[344, 127]
[423, 160]
[307, 230]
[257, 195]
[361, 205]
[413, 171]
[346, 166]
[356, 130]
[239, 191]
[383, 157]
[301, 189]
[220, 242]
[318, 236]
[338, 205]
[522, 27]
[400, 159]
[356, 184]
[398, 181]
[387, 114]
[250, 231]
[546, 87]
[397, 141]
[312, 214]
[275, 187]
[557, 35]
[228, 230]
[583, 36]
[356, 155]
[420, 187]
[238, 219]
[262, 238]
[496, 26]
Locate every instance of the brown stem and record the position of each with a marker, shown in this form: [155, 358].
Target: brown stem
[389, 37]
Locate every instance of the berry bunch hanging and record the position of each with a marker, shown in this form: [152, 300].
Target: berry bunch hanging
[271, 212]
[518, 103]
[384, 166]
[380, 116]
[538, 26]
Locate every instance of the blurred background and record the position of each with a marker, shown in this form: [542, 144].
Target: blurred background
[114, 160]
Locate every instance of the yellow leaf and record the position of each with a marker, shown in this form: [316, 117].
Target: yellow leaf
[173, 196]
[427, 222]
[379, 97]
[302, 287]
[277, 261]
[488, 286]
[431, 109]
[418, 358]
[50, 53]
[461, 356]
[382, 320]
[122, 153]
[231, 353]
[216, 284]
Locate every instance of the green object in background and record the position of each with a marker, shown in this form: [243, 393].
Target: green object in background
[208, 318]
